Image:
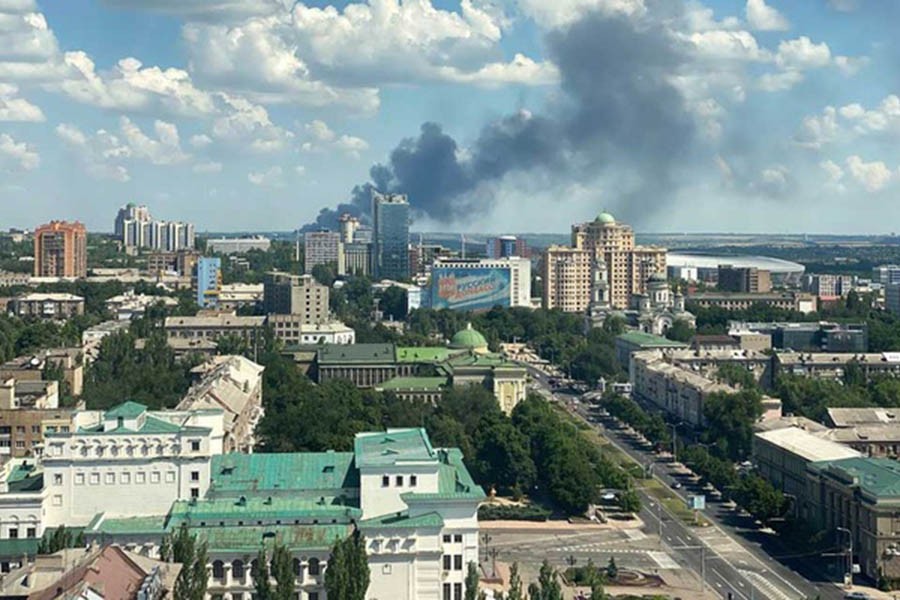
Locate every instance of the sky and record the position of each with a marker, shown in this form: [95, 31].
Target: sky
[492, 115]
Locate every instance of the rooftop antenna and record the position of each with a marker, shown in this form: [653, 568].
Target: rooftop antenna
[462, 237]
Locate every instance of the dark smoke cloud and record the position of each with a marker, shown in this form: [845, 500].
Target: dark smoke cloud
[618, 113]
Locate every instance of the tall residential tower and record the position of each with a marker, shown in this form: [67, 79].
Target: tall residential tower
[390, 256]
[60, 250]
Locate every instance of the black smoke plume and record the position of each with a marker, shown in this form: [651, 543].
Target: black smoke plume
[619, 115]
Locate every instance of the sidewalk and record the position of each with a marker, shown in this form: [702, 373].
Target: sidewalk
[559, 525]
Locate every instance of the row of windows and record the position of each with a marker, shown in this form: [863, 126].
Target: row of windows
[455, 588]
[398, 481]
[455, 538]
[453, 562]
[239, 568]
[125, 477]
[297, 596]
[13, 533]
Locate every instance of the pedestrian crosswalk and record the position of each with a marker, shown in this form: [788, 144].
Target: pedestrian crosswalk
[763, 583]
[664, 560]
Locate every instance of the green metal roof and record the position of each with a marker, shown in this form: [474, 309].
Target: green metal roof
[876, 477]
[428, 520]
[249, 539]
[155, 525]
[415, 384]
[151, 425]
[391, 447]
[605, 217]
[487, 361]
[18, 548]
[468, 338]
[126, 410]
[356, 353]
[314, 473]
[648, 340]
[425, 354]
[256, 508]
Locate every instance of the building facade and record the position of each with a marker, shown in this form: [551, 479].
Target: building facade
[60, 250]
[137, 230]
[213, 327]
[390, 251]
[566, 279]
[285, 294]
[357, 258]
[57, 307]
[238, 245]
[293, 330]
[506, 246]
[480, 284]
[793, 301]
[744, 280]
[208, 281]
[323, 248]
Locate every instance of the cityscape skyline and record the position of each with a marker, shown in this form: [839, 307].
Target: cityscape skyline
[480, 112]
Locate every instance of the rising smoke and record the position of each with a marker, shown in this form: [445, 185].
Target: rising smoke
[619, 115]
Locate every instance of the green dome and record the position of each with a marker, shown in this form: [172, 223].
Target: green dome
[468, 338]
[658, 277]
[605, 217]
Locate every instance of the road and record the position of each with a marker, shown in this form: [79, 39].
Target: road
[731, 564]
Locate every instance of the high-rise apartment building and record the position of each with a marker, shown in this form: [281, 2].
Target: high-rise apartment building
[628, 266]
[567, 279]
[60, 250]
[745, 280]
[138, 230]
[286, 294]
[323, 248]
[390, 252]
[506, 246]
[208, 281]
[886, 274]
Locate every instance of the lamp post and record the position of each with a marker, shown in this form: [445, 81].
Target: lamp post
[849, 575]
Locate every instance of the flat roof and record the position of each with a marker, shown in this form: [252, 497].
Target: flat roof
[876, 477]
[839, 358]
[712, 261]
[313, 472]
[806, 445]
[356, 353]
[648, 340]
[393, 446]
[417, 354]
[435, 384]
[848, 417]
[216, 321]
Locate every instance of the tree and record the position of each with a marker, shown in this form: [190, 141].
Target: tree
[283, 572]
[680, 331]
[629, 501]
[259, 570]
[612, 571]
[472, 582]
[515, 583]
[347, 575]
[182, 547]
[548, 587]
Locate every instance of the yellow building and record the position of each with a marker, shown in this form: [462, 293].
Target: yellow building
[567, 279]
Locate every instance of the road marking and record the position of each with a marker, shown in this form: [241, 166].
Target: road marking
[664, 560]
[634, 534]
[722, 577]
[762, 582]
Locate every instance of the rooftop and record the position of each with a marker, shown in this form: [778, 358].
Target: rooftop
[315, 473]
[256, 508]
[38, 297]
[648, 340]
[416, 354]
[392, 446]
[413, 384]
[215, 321]
[878, 478]
[249, 539]
[806, 445]
[356, 353]
[848, 417]
[838, 358]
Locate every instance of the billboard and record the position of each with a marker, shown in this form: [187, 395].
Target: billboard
[470, 289]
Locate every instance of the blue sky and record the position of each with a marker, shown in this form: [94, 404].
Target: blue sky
[255, 114]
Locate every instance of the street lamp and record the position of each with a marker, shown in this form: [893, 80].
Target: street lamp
[849, 576]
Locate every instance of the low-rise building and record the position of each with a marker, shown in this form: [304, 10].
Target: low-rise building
[129, 305]
[32, 367]
[214, 327]
[715, 343]
[92, 337]
[182, 347]
[48, 306]
[293, 330]
[29, 410]
[794, 301]
[854, 417]
[783, 455]
[238, 245]
[232, 384]
[831, 365]
[637, 341]
[233, 296]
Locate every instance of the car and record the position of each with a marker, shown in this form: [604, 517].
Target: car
[857, 596]
[676, 485]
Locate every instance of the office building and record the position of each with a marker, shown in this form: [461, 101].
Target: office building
[807, 337]
[60, 250]
[793, 301]
[390, 252]
[285, 294]
[892, 298]
[238, 245]
[480, 284]
[567, 279]
[886, 275]
[28, 410]
[348, 225]
[828, 286]
[744, 280]
[137, 230]
[30, 367]
[293, 330]
[181, 263]
[56, 307]
[357, 258]
[831, 365]
[682, 273]
[233, 296]
[629, 267]
[214, 327]
[207, 281]
[323, 248]
[506, 246]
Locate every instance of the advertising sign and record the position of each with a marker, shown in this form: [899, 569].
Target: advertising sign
[469, 289]
[697, 502]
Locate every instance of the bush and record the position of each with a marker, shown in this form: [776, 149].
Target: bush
[490, 512]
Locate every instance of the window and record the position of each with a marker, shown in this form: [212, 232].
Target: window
[154, 477]
[447, 561]
[31, 532]
[447, 592]
[195, 475]
[457, 562]
[297, 568]
[170, 476]
[57, 500]
[413, 480]
[385, 481]
[457, 591]
[447, 538]
[313, 566]
[95, 478]
[125, 477]
[399, 480]
[57, 479]
[5, 429]
[195, 492]
[237, 569]
[386, 569]
[313, 596]
[13, 533]
[110, 479]
[79, 478]
[35, 429]
[140, 477]
[20, 444]
[20, 429]
[218, 570]
[195, 445]
[457, 538]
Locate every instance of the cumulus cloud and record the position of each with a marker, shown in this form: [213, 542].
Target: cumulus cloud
[763, 17]
[17, 156]
[207, 167]
[164, 150]
[565, 12]
[873, 176]
[99, 154]
[818, 130]
[206, 9]
[246, 125]
[321, 138]
[272, 177]
[14, 108]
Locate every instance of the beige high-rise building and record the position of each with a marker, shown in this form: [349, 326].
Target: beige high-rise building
[60, 250]
[629, 266]
[567, 279]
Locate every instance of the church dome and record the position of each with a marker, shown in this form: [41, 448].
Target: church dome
[657, 278]
[469, 339]
[605, 218]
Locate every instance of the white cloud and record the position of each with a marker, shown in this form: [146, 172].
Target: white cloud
[849, 65]
[207, 167]
[886, 116]
[17, 156]
[873, 176]
[165, 150]
[98, 153]
[206, 9]
[763, 17]
[802, 53]
[300, 170]
[320, 138]
[320, 131]
[556, 13]
[13, 108]
[732, 45]
[247, 125]
[269, 178]
[819, 130]
[779, 82]
[834, 174]
[200, 140]
[773, 181]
